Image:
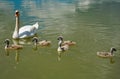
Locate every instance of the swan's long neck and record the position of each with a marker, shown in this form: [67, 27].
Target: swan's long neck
[35, 41]
[17, 24]
[16, 31]
[112, 51]
[60, 44]
[7, 44]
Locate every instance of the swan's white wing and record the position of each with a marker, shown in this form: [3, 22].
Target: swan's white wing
[28, 30]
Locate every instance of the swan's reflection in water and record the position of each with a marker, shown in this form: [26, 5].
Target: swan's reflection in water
[27, 41]
[112, 61]
[35, 48]
[7, 53]
[60, 55]
[17, 55]
[22, 41]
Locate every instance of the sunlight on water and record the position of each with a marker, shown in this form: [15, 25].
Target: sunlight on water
[92, 24]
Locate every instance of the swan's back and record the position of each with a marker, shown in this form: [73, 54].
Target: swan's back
[104, 54]
[45, 43]
[28, 30]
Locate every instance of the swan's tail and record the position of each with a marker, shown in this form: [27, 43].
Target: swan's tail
[36, 25]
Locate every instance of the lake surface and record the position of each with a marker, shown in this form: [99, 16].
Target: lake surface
[94, 25]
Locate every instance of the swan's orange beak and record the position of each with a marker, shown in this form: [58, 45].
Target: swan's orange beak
[16, 13]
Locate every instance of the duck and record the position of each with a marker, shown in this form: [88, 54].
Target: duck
[107, 54]
[25, 31]
[36, 41]
[11, 47]
[68, 42]
[61, 47]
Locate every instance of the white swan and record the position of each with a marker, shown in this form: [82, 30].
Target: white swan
[25, 31]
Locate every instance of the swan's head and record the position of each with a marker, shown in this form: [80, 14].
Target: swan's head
[35, 40]
[60, 38]
[16, 13]
[113, 49]
[7, 42]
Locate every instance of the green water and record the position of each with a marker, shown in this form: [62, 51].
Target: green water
[95, 28]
